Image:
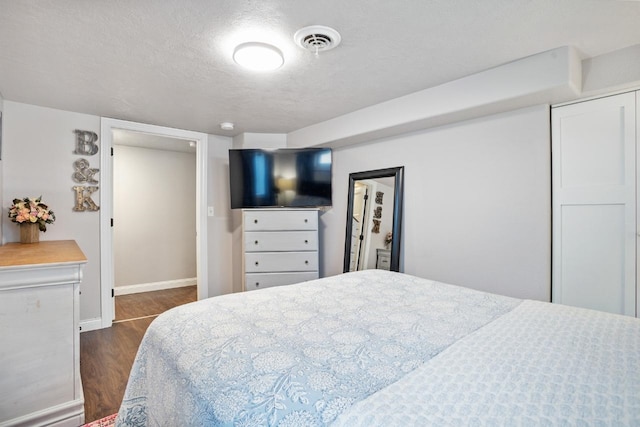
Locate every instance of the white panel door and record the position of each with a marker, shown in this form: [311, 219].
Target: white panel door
[594, 204]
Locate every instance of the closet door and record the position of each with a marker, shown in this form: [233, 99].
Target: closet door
[594, 204]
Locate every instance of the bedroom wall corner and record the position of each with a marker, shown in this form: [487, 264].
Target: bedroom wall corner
[220, 238]
[260, 140]
[477, 202]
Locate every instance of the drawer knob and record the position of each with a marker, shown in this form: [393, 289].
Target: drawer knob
[256, 262]
[257, 284]
[306, 220]
[255, 221]
[306, 241]
[256, 242]
[306, 262]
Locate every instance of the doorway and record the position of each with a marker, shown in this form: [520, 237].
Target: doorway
[154, 234]
[108, 128]
[360, 201]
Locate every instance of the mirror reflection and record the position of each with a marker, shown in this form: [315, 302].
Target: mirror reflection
[373, 220]
[371, 227]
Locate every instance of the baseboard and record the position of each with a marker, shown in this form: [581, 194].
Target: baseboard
[68, 414]
[155, 286]
[90, 324]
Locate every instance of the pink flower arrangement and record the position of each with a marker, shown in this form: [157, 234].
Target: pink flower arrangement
[31, 210]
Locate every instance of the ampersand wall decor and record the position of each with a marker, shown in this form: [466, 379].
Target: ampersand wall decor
[83, 172]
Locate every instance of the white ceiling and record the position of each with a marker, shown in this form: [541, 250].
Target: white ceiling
[169, 62]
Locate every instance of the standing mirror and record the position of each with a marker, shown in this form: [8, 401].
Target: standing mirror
[374, 220]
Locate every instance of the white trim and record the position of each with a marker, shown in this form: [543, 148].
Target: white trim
[90, 324]
[155, 286]
[591, 98]
[106, 206]
[68, 414]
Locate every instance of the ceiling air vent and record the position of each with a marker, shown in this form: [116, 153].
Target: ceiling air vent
[317, 38]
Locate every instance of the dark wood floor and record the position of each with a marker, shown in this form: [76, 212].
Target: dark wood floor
[133, 306]
[106, 355]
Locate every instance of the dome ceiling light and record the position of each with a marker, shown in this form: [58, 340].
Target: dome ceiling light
[258, 56]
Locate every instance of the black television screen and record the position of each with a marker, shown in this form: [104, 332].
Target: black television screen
[280, 178]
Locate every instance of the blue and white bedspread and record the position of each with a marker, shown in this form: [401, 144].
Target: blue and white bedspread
[377, 348]
[297, 355]
[538, 365]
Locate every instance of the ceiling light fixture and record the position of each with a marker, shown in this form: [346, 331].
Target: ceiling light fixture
[226, 126]
[258, 56]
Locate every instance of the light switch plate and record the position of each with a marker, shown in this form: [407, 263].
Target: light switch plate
[210, 210]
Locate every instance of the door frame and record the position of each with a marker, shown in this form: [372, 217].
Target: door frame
[107, 125]
[356, 257]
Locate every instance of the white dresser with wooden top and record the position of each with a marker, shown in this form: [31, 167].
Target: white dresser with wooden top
[40, 381]
[280, 247]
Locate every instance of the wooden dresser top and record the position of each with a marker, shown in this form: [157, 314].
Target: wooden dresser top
[48, 252]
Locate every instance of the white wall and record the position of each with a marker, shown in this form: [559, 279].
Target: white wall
[476, 202]
[154, 232]
[38, 160]
[260, 140]
[221, 275]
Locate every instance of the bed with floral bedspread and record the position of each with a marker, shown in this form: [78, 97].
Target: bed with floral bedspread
[381, 348]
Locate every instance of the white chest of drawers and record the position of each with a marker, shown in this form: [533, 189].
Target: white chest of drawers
[383, 259]
[39, 334]
[280, 247]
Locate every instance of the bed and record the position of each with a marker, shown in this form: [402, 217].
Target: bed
[378, 348]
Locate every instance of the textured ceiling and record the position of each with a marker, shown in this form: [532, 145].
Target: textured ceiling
[169, 62]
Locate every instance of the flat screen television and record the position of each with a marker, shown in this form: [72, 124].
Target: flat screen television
[280, 178]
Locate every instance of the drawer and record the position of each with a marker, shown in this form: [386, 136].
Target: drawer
[383, 260]
[255, 281]
[274, 220]
[269, 241]
[384, 263]
[272, 262]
